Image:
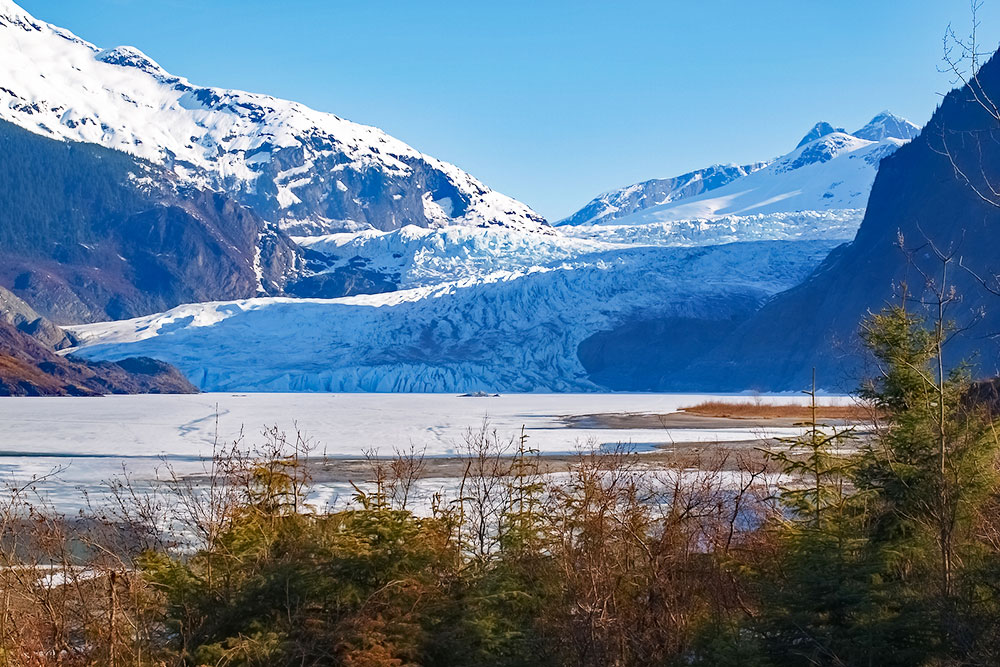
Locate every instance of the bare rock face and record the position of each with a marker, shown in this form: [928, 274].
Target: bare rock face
[16, 312]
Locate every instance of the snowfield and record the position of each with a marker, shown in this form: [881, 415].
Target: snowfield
[610, 206]
[829, 169]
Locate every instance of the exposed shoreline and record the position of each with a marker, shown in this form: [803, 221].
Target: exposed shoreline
[726, 456]
[692, 455]
[684, 420]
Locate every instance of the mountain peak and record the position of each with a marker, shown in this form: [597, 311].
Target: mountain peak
[129, 56]
[887, 125]
[820, 129]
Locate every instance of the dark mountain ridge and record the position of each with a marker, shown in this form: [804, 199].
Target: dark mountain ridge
[929, 195]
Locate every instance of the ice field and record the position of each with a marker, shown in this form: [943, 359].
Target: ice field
[90, 440]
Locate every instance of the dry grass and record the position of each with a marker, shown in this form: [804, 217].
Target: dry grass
[752, 410]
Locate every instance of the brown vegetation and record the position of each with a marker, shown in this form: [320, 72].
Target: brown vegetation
[607, 566]
[757, 410]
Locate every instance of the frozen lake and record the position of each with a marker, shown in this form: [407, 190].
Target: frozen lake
[90, 439]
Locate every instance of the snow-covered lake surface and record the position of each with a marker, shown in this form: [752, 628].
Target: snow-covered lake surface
[91, 440]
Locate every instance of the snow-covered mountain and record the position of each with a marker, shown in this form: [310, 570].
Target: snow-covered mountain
[310, 171]
[454, 287]
[625, 201]
[499, 309]
[834, 172]
[828, 170]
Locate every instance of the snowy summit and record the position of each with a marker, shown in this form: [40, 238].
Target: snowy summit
[308, 170]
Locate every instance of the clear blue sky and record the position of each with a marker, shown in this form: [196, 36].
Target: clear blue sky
[555, 102]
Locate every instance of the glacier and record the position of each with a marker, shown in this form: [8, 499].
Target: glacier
[506, 309]
[503, 331]
[501, 309]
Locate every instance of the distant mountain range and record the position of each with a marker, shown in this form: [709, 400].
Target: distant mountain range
[829, 169]
[259, 245]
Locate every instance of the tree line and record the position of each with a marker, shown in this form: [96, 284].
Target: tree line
[877, 544]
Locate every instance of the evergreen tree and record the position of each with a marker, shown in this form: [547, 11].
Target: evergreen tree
[811, 591]
[921, 482]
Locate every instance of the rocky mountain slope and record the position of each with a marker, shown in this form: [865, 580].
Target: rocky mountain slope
[311, 172]
[24, 318]
[28, 368]
[88, 233]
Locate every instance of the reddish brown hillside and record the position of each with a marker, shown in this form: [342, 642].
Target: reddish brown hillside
[28, 368]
